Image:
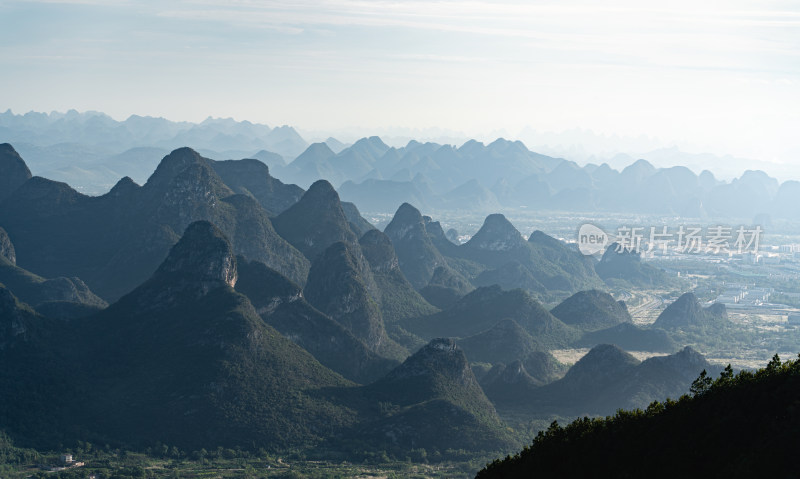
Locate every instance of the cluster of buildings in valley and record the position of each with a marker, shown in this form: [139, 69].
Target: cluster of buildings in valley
[740, 295]
[66, 462]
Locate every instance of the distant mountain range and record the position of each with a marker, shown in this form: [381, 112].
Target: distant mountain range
[505, 174]
[91, 151]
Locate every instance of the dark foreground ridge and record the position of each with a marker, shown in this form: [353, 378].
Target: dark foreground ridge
[743, 425]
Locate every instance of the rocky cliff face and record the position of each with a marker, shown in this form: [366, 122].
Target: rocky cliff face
[7, 248]
[266, 288]
[379, 252]
[203, 258]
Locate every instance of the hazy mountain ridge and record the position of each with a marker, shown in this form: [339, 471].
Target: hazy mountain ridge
[93, 127]
[97, 150]
[441, 177]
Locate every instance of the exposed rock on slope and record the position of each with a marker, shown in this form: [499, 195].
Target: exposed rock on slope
[7, 247]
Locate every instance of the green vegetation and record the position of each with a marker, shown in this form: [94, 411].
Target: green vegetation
[166, 462]
[591, 310]
[738, 425]
[417, 255]
[45, 293]
[483, 308]
[433, 401]
[630, 338]
[785, 299]
[396, 297]
[339, 285]
[315, 222]
[114, 242]
[185, 360]
[279, 302]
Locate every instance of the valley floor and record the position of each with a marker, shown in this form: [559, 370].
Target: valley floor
[226, 464]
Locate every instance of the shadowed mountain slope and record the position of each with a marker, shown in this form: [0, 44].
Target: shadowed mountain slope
[115, 241]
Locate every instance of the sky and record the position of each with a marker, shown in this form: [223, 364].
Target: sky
[716, 76]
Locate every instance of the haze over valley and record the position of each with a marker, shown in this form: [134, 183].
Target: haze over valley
[415, 239]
